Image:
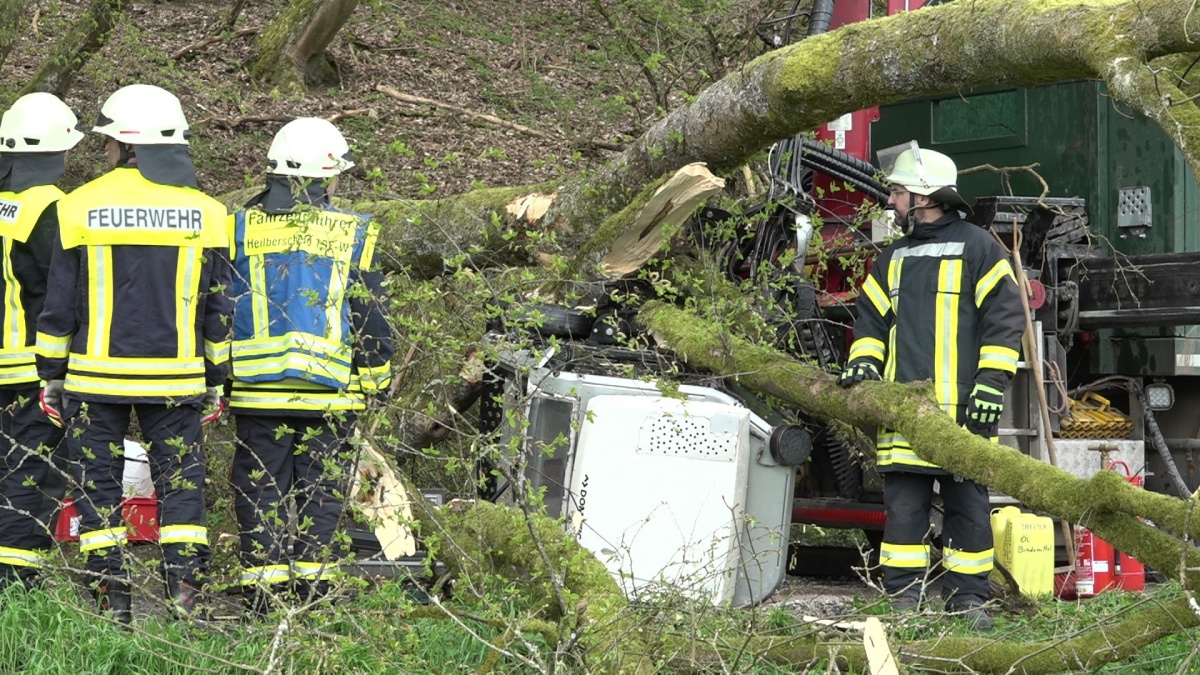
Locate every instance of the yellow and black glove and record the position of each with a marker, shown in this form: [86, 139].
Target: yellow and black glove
[857, 372]
[984, 409]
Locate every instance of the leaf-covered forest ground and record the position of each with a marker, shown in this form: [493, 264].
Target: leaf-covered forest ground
[556, 68]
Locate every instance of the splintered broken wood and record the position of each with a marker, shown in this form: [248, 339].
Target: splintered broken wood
[385, 503]
[531, 207]
[879, 655]
[659, 219]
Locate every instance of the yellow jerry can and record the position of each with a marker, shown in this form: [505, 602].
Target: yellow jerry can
[1024, 544]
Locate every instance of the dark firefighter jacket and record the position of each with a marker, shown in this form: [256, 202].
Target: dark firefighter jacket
[28, 228]
[136, 308]
[940, 304]
[310, 333]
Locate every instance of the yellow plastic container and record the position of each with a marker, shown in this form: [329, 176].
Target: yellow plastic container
[1024, 544]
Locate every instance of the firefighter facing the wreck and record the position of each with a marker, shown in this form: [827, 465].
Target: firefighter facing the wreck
[311, 345]
[136, 319]
[35, 135]
[940, 304]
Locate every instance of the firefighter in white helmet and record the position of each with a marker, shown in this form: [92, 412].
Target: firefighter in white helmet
[136, 320]
[35, 135]
[311, 345]
[939, 304]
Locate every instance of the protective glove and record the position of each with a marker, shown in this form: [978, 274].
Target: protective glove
[984, 408]
[212, 406]
[857, 372]
[50, 401]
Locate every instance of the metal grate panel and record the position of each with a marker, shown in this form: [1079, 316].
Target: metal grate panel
[694, 436]
[1133, 207]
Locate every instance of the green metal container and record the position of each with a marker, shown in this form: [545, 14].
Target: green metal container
[1142, 196]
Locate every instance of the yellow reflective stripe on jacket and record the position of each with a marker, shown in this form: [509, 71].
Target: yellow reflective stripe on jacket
[183, 534]
[100, 298]
[244, 367]
[266, 574]
[277, 400]
[186, 272]
[216, 352]
[968, 562]
[338, 278]
[367, 259]
[895, 449]
[895, 266]
[14, 309]
[135, 366]
[984, 286]
[289, 340]
[945, 331]
[371, 380]
[186, 386]
[866, 347]
[999, 358]
[877, 296]
[52, 346]
[98, 539]
[20, 211]
[258, 298]
[20, 557]
[909, 556]
[304, 569]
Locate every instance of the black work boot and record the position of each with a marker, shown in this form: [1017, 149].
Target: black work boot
[116, 598]
[184, 598]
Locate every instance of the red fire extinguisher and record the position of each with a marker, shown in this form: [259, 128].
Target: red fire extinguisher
[1099, 567]
[1130, 573]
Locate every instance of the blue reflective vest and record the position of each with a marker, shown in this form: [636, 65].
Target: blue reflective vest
[295, 341]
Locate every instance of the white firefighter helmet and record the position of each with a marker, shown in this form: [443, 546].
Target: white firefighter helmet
[922, 172]
[142, 114]
[39, 122]
[309, 147]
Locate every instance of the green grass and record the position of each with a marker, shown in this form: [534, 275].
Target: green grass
[52, 633]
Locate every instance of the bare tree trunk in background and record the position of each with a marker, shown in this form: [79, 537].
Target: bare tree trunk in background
[86, 37]
[12, 16]
[292, 49]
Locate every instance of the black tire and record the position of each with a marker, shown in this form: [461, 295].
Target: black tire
[552, 320]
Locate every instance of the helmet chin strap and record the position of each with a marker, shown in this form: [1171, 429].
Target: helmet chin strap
[910, 221]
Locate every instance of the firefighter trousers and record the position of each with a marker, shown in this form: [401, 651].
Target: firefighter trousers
[307, 459]
[33, 481]
[95, 442]
[967, 554]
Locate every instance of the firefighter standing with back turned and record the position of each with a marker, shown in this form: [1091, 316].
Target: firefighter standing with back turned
[311, 344]
[136, 319]
[940, 304]
[35, 135]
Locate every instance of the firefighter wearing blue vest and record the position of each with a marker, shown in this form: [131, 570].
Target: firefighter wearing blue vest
[35, 135]
[136, 320]
[940, 304]
[311, 344]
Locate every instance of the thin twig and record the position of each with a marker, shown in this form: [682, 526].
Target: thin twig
[234, 13]
[482, 117]
[197, 46]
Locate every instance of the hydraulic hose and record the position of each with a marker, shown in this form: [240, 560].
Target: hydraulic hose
[1160, 444]
[820, 16]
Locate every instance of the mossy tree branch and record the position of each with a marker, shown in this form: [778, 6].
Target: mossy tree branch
[1107, 504]
[85, 37]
